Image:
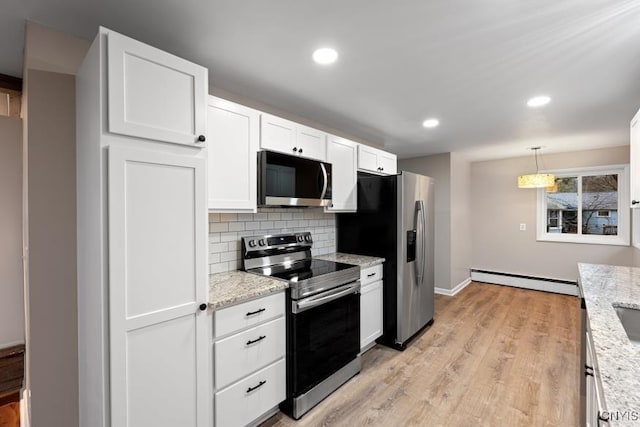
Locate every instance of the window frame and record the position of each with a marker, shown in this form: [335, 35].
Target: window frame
[623, 238]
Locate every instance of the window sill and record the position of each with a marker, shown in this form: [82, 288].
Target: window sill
[582, 239]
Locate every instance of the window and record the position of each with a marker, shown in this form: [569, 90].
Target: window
[587, 205]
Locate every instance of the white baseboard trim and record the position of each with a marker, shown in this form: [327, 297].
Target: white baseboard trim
[451, 292]
[557, 286]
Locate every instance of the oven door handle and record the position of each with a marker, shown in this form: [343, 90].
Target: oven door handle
[314, 301]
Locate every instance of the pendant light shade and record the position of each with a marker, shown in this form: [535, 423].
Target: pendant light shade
[536, 180]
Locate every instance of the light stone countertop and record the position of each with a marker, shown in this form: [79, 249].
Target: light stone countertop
[235, 287]
[617, 358]
[361, 260]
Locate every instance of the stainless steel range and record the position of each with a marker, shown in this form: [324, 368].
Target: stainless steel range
[323, 317]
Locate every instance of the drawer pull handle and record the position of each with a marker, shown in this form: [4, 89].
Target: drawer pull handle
[371, 274]
[260, 384]
[260, 338]
[251, 313]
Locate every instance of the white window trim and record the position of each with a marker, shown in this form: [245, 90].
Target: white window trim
[623, 237]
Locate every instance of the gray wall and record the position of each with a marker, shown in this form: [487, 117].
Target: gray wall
[461, 210]
[52, 353]
[498, 207]
[438, 167]
[11, 277]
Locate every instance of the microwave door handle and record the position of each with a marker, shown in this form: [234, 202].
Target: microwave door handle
[326, 180]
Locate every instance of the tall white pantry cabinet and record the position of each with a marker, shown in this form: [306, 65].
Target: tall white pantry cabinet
[142, 226]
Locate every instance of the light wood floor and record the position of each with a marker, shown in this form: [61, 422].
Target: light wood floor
[495, 356]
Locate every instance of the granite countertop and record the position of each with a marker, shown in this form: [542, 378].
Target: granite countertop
[361, 260]
[618, 359]
[235, 287]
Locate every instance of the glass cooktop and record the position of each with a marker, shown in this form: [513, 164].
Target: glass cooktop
[302, 270]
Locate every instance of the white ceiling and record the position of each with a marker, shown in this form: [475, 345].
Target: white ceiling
[472, 64]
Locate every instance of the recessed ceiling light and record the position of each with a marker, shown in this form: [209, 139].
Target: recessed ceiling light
[431, 123]
[325, 55]
[538, 101]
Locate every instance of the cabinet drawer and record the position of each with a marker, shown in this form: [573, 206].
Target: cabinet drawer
[248, 351]
[241, 316]
[370, 274]
[242, 403]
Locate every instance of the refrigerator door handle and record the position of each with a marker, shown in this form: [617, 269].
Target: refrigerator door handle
[419, 262]
[423, 241]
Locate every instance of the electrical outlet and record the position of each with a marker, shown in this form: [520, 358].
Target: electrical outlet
[523, 227]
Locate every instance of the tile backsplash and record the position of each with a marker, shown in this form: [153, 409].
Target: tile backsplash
[226, 230]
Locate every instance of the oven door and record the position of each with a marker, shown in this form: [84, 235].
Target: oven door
[292, 181]
[324, 336]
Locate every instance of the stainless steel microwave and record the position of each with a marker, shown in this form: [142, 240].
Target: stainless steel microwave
[285, 180]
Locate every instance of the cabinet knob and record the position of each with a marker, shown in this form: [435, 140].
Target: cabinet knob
[203, 307]
[300, 151]
[202, 138]
[295, 149]
[635, 202]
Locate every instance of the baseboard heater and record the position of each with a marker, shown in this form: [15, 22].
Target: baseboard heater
[557, 286]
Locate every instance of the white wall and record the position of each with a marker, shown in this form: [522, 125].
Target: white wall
[11, 280]
[438, 167]
[52, 349]
[498, 207]
[51, 50]
[51, 60]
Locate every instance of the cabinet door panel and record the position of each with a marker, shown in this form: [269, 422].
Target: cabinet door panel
[153, 94]
[233, 144]
[157, 278]
[367, 158]
[342, 154]
[312, 142]
[370, 313]
[246, 400]
[388, 163]
[277, 134]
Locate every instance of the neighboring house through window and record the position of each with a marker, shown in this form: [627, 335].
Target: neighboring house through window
[588, 205]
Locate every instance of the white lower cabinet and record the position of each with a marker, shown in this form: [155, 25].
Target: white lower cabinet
[248, 399]
[370, 306]
[245, 352]
[249, 347]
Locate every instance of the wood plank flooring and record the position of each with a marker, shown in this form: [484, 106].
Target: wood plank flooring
[495, 356]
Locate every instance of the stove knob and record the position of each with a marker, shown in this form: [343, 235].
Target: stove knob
[261, 242]
[307, 238]
[300, 238]
[252, 243]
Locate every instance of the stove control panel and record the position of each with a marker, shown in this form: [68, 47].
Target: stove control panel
[277, 242]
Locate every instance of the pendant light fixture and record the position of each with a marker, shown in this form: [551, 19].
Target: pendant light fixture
[536, 180]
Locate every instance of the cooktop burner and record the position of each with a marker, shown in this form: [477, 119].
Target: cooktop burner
[301, 270]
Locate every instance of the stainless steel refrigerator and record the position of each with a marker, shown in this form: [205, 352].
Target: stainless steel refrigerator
[395, 220]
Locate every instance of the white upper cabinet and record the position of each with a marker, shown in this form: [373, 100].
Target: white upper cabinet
[377, 161]
[233, 145]
[285, 136]
[635, 162]
[343, 156]
[153, 94]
